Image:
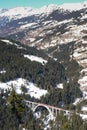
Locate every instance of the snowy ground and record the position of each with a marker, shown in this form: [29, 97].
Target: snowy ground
[78, 100]
[35, 58]
[45, 119]
[32, 88]
[84, 108]
[59, 86]
[2, 71]
[7, 41]
[84, 116]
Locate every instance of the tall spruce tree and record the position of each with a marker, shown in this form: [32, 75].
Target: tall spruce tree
[17, 107]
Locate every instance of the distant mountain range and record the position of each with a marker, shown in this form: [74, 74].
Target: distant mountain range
[35, 26]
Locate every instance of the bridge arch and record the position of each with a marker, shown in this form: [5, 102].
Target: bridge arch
[42, 105]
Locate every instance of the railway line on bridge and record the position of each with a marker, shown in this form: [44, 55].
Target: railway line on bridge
[53, 111]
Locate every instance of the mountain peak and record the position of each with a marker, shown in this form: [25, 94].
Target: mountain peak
[73, 6]
[49, 8]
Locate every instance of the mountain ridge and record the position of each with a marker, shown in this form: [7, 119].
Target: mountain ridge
[45, 9]
[42, 25]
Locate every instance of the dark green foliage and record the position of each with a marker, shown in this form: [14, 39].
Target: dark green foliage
[16, 105]
[64, 54]
[65, 70]
[70, 93]
[7, 119]
[24, 89]
[16, 116]
[53, 98]
[70, 71]
[30, 123]
[16, 66]
[13, 61]
[71, 122]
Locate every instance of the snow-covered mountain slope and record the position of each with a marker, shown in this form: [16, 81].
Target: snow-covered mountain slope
[35, 26]
[22, 12]
[80, 54]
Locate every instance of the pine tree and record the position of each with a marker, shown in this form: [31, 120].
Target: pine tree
[17, 107]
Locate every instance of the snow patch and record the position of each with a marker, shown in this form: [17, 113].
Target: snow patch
[32, 88]
[76, 54]
[35, 58]
[84, 108]
[84, 116]
[59, 86]
[39, 40]
[7, 41]
[47, 22]
[12, 43]
[34, 91]
[83, 71]
[2, 71]
[83, 81]
[27, 25]
[78, 100]
[32, 39]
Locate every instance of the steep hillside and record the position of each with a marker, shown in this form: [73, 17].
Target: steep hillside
[36, 77]
[20, 61]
